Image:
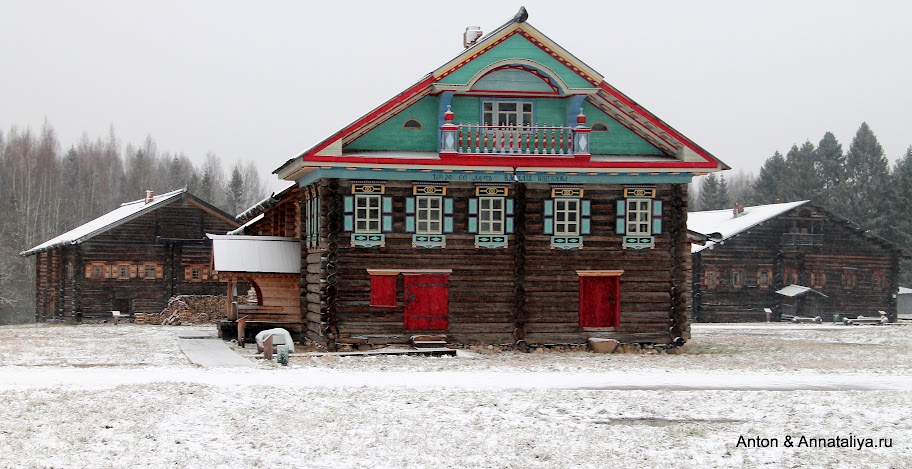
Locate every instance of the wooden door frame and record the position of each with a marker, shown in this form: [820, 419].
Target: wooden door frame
[600, 273]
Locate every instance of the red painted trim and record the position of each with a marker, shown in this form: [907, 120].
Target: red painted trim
[566, 162]
[382, 109]
[557, 57]
[658, 122]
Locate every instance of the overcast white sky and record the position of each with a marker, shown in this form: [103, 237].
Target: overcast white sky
[266, 80]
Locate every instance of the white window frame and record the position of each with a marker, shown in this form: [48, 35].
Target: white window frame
[638, 216]
[368, 211]
[491, 219]
[566, 217]
[521, 116]
[429, 214]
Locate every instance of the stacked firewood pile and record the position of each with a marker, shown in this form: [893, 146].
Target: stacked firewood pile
[186, 309]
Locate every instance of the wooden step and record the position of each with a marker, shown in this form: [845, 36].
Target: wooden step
[429, 344]
[429, 341]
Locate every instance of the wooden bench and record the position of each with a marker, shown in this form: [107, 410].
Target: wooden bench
[799, 319]
[867, 320]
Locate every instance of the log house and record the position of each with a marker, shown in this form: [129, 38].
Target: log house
[132, 259]
[766, 248]
[510, 196]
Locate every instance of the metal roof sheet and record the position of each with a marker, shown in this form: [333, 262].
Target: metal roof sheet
[261, 254]
[798, 290]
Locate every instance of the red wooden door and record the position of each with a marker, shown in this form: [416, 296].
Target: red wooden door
[426, 302]
[599, 304]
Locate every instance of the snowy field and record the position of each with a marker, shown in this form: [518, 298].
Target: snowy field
[126, 396]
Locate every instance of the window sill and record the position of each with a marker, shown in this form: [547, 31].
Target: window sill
[639, 242]
[566, 242]
[368, 240]
[429, 241]
[491, 242]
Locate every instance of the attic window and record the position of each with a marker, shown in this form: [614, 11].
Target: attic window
[599, 127]
[412, 124]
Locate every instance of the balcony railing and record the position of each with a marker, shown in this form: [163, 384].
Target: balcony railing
[532, 140]
[505, 139]
[802, 239]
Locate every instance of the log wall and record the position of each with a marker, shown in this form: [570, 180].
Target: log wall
[172, 237]
[844, 248]
[526, 292]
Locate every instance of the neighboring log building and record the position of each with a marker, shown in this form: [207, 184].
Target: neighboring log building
[132, 259]
[510, 196]
[768, 247]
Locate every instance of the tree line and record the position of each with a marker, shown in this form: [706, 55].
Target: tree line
[858, 185]
[46, 191]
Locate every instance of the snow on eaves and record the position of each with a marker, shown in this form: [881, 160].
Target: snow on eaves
[126, 212]
[728, 225]
[242, 229]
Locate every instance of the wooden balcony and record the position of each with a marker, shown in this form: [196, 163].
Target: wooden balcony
[537, 140]
[514, 140]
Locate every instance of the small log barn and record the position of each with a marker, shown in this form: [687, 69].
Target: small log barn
[766, 248]
[510, 196]
[131, 260]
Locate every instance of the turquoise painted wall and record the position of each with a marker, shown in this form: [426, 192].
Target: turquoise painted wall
[619, 140]
[516, 47]
[390, 135]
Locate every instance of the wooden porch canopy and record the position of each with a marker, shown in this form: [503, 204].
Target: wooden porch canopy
[272, 266]
[798, 290]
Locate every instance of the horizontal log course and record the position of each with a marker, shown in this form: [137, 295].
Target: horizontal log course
[314, 317]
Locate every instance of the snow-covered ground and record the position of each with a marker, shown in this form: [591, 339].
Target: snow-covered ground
[125, 395]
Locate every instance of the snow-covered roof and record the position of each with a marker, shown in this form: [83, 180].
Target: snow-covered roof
[797, 290]
[904, 290]
[126, 212]
[728, 225]
[240, 230]
[270, 201]
[263, 254]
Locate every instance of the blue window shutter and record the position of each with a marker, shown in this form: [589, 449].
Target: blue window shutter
[548, 210]
[349, 213]
[447, 215]
[410, 214]
[387, 214]
[585, 217]
[656, 217]
[621, 226]
[473, 215]
[509, 216]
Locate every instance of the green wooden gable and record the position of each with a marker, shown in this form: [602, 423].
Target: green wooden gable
[516, 46]
[512, 97]
[396, 135]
